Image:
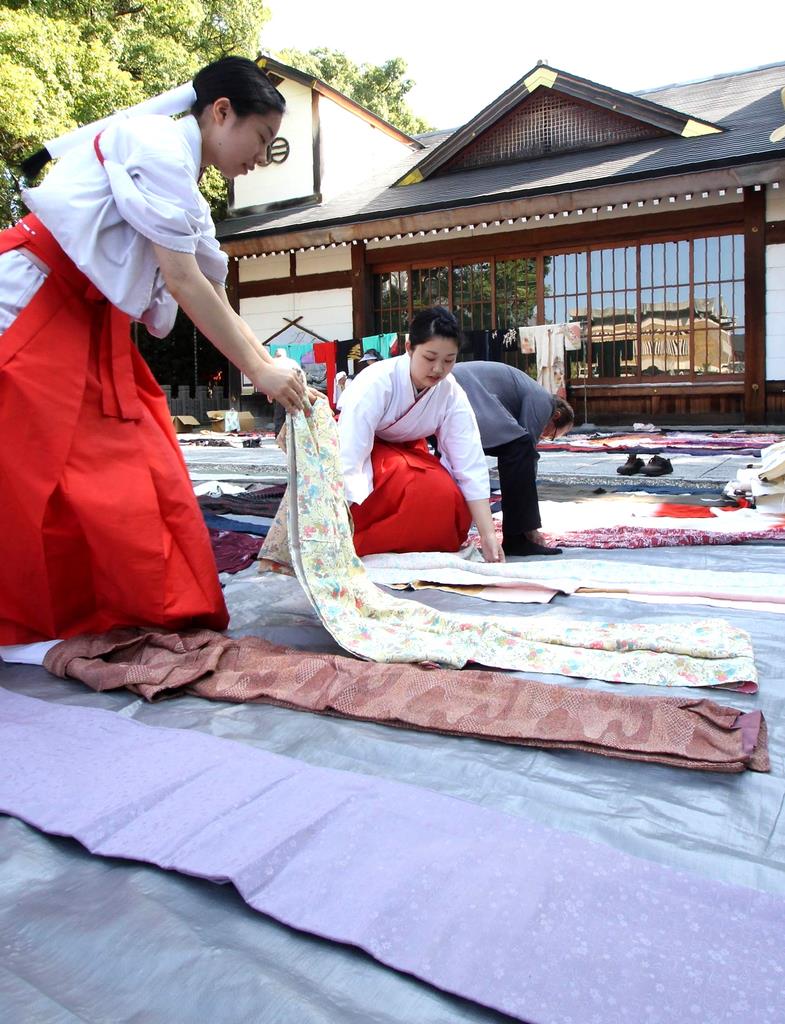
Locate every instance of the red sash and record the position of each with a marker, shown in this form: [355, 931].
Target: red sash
[118, 386]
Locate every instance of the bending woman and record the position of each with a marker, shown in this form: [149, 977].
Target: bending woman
[100, 526]
[402, 497]
[513, 413]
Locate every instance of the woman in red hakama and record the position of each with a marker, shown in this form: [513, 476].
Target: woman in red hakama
[100, 526]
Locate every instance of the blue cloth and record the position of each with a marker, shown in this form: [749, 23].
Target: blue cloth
[381, 342]
[295, 352]
[215, 522]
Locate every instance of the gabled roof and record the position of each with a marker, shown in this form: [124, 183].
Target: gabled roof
[622, 107]
[746, 104]
[276, 68]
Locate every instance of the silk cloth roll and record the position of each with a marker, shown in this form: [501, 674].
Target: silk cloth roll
[537, 923]
[683, 732]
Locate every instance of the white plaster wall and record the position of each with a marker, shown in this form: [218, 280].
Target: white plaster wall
[775, 312]
[267, 269]
[271, 268]
[327, 313]
[324, 261]
[351, 148]
[775, 203]
[294, 178]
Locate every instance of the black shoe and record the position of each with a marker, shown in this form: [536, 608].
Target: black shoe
[524, 547]
[657, 466]
[634, 464]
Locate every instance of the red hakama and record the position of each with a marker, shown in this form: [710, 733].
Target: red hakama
[415, 504]
[99, 525]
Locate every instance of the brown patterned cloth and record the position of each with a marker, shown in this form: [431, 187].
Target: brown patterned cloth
[682, 732]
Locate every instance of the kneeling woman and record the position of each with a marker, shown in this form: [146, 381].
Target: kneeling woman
[402, 497]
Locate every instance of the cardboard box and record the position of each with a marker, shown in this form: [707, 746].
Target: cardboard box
[185, 424]
[218, 420]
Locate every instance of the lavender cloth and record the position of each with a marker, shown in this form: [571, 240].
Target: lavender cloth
[537, 923]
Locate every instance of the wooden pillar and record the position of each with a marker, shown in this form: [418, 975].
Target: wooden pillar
[754, 305]
[233, 377]
[362, 293]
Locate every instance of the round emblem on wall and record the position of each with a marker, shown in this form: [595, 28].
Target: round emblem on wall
[278, 150]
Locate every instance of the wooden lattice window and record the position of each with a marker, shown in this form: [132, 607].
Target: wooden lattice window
[516, 305]
[673, 308]
[547, 123]
[471, 295]
[614, 314]
[430, 287]
[718, 293]
[565, 286]
[646, 309]
[391, 302]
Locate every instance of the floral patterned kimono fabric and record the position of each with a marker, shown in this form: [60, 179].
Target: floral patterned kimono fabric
[376, 626]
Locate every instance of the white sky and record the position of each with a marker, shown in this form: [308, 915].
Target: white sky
[463, 53]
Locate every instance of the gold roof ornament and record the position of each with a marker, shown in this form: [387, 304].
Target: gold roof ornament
[779, 133]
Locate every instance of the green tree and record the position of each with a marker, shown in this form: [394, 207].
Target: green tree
[381, 88]
[68, 62]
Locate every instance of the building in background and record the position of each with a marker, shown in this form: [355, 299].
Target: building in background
[654, 221]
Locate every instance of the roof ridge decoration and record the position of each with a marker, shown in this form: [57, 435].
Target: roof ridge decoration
[651, 117]
[778, 135]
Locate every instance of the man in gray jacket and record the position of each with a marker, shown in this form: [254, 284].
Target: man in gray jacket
[513, 412]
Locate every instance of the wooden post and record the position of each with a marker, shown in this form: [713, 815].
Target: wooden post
[233, 379]
[362, 293]
[754, 306]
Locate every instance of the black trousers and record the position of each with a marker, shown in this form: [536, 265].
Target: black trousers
[517, 462]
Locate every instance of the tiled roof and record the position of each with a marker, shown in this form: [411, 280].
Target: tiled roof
[746, 105]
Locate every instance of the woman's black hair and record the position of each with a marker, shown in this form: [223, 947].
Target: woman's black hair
[435, 322]
[242, 82]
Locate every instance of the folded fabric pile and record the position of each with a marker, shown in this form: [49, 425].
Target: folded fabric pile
[765, 480]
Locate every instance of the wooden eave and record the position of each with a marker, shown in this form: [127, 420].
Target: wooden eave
[541, 205]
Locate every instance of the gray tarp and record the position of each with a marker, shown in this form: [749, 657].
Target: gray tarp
[86, 939]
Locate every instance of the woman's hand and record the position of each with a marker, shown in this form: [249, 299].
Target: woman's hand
[489, 542]
[282, 438]
[491, 548]
[281, 382]
[207, 305]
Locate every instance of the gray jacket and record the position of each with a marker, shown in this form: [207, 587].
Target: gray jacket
[505, 400]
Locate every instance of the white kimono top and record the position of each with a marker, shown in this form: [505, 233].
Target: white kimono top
[381, 402]
[106, 216]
